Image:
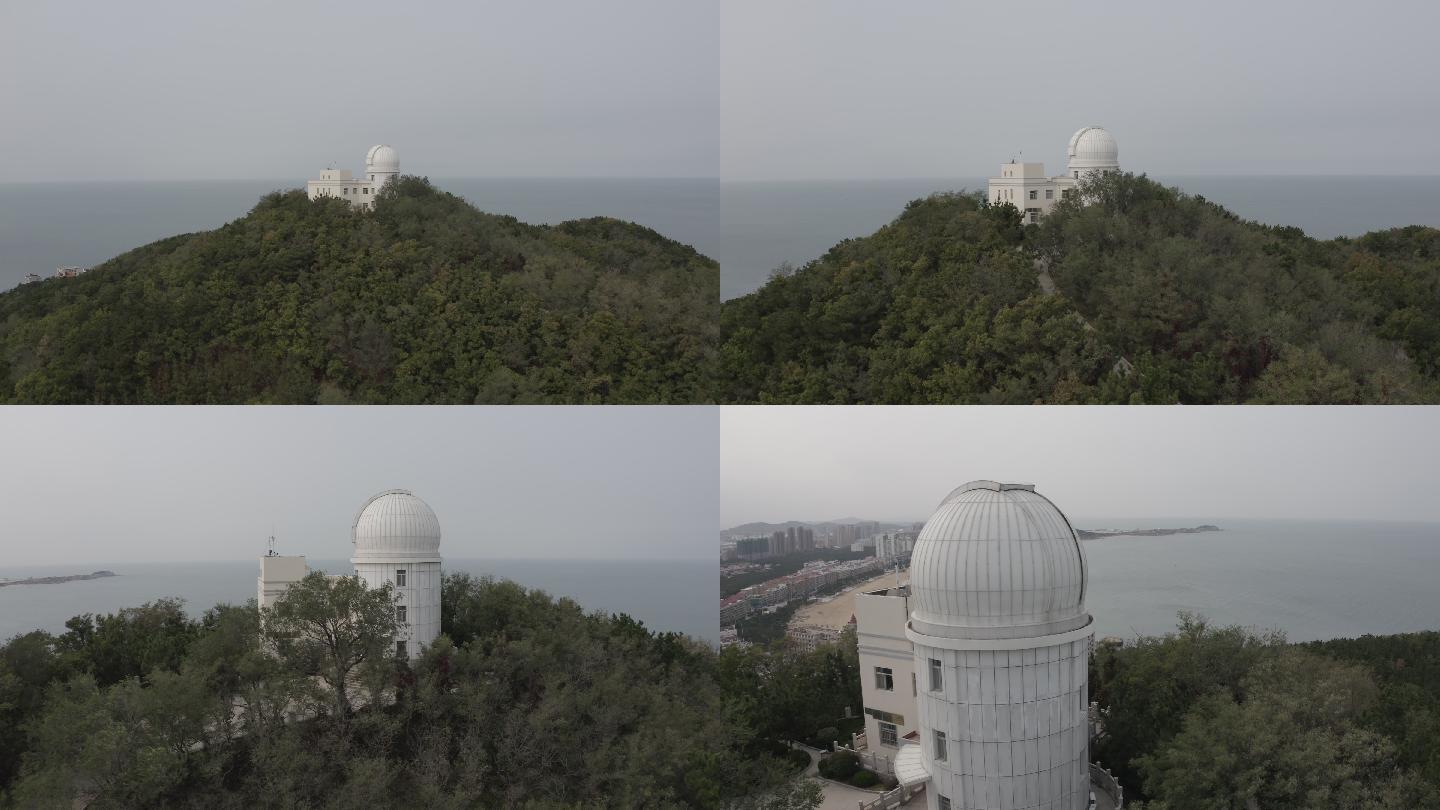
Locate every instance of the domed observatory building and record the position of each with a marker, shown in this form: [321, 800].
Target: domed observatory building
[397, 541]
[1002, 642]
[1028, 188]
[382, 164]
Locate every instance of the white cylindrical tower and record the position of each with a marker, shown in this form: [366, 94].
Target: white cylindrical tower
[382, 164]
[397, 540]
[1002, 644]
[1092, 149]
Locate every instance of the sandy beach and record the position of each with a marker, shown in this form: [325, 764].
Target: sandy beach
[837, 610]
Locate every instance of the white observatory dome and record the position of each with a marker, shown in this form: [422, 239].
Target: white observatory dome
[398, 524]
[1093, 148]
[382, 158]
[997, 561]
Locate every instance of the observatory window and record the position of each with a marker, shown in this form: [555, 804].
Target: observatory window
[400, 578]
[1034, 194]
[400, 649]
[885, 679]
[1077, 175]
[888, 735]
[939, 746]
[944, 802]
[937, 677]
[1049, 193]
[400, 613]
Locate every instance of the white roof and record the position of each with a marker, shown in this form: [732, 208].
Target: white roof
[1093, 148]
[396, 523]
[910, 766]
[382, 157]
[997, 561]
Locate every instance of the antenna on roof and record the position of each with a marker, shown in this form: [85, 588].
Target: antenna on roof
[271, 552]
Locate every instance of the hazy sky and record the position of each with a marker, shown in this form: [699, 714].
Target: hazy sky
[113, 484]
[269, 89]
[938, 88]
[893, 463]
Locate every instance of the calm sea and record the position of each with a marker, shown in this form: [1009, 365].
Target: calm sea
[47, 225]
[677, 595]
[763, 224]
[1312, 580]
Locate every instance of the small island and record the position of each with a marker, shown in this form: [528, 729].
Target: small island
[1100, 534]
[57, 580]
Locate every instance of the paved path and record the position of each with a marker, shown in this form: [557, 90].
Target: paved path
[843, 797]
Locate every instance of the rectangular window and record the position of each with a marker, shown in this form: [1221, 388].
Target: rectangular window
[937, 675]
[944, 802]
[1033, 194]
[400, 649]
[400, 613]
[1049, 193]
[884, 679]
[939, 746]
[888, 735]
[400, 578]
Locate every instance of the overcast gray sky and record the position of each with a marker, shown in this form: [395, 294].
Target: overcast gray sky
[896, 463]
[198, 483]
[172, 89]
[937, 88]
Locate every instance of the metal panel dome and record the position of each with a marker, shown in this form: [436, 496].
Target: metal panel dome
[1093, 148]
[382, 158]
[396, 524]
[997, 561]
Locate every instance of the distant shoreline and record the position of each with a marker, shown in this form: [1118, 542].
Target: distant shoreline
[57, 580]
[1101, 534]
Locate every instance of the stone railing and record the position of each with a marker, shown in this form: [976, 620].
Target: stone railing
[874, 760]
[893, 799]
[1103, 779]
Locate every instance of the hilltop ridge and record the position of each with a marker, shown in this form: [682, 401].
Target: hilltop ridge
[423, 300]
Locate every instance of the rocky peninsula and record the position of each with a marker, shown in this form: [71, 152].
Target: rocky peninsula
[57, 580]
[1101, 534]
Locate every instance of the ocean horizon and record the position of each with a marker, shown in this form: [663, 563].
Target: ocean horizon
[667, 595]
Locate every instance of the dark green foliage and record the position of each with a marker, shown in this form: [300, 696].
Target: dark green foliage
[864, 779]
[786, 693]
[840, 765]
[423, 300]
[1222, 718]
[541, 706]
[943, 305]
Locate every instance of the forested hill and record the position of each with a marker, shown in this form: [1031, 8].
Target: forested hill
[1157, 297]
[423, 300]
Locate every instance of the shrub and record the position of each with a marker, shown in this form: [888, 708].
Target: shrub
[864, 779]
[839, 766]
[797, 758]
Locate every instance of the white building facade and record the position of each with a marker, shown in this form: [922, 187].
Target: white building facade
[1001, 643]
[1028, 188]
[382, 164]
[397, 541]
[887, 669]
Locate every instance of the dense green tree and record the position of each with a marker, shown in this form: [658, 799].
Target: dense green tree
[423, 300]
[334, 628]
[1128, 292]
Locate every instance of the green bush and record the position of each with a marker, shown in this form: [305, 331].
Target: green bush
[839, 766]
[864, 779]
[798, 758]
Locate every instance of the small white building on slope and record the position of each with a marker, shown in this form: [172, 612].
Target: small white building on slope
[1028, 188]
[397, 541]
[382, 164]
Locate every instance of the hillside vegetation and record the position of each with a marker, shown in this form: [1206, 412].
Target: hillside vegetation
[524, 701]
[423, 300]
[1159, 297]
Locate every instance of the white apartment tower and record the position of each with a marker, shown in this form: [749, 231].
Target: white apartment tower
[382, 164]
[1028, 188]
[1001, 644]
